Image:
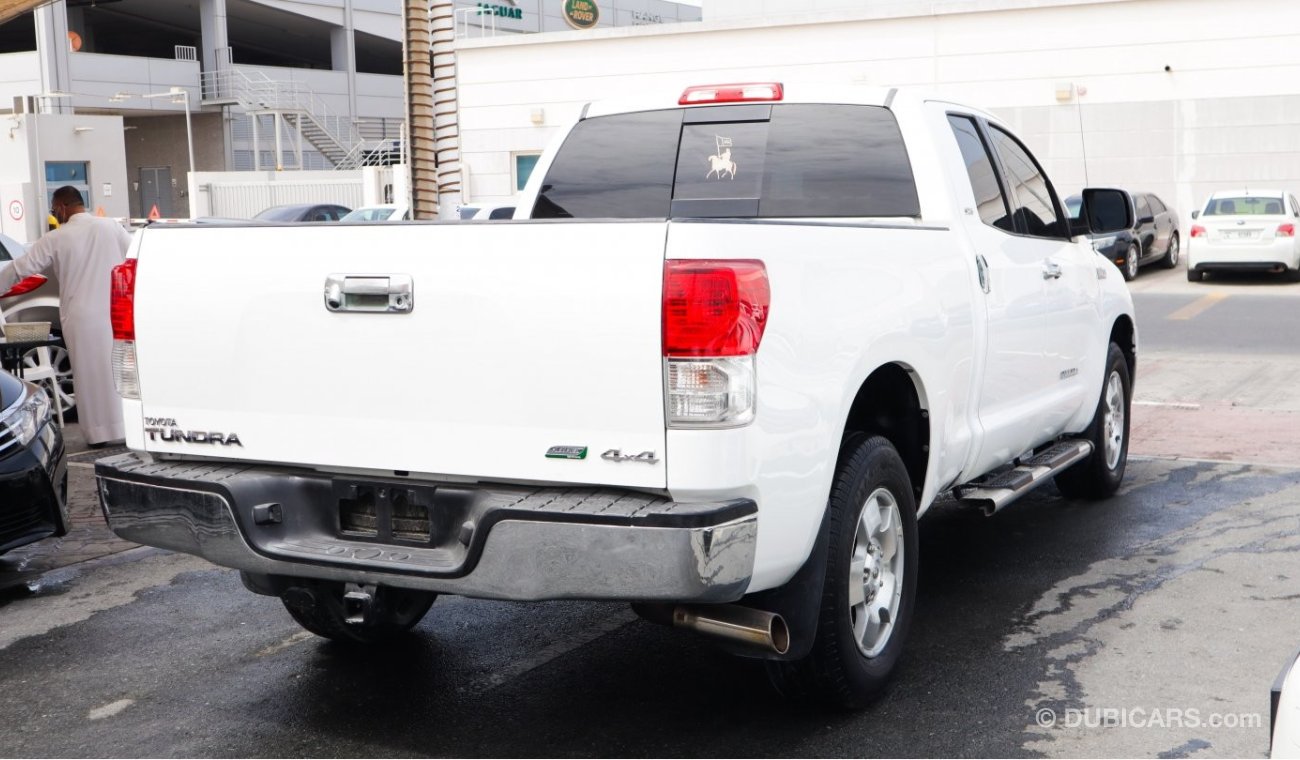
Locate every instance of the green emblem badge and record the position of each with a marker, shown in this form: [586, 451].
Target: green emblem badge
[581, 14]
[566, 452]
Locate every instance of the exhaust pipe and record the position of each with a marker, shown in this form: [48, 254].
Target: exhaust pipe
[737, 624]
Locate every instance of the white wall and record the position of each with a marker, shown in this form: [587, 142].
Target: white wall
[1231, 65]
[241, 195]
[20, 74]
[96, 77]
[30, 140]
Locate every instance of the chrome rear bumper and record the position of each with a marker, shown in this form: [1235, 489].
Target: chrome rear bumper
[497, 542]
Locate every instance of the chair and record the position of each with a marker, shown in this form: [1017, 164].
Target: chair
[1273, 207]
[1227, 207]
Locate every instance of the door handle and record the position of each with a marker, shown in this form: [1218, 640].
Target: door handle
[983, 266]
[372, 293]
[1051, 270]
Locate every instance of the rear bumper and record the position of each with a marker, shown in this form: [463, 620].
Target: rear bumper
[498, 542]
[1270, 256]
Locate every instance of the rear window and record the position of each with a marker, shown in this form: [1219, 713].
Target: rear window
[762, 161]
[1248, 205]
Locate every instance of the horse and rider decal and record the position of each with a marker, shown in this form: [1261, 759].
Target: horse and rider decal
[721, 164]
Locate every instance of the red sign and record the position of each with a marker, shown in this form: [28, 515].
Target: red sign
[16, 210]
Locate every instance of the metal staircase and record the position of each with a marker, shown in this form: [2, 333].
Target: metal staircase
[334, 135]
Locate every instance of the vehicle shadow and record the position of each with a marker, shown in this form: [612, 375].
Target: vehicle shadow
[641, 690]
[1249, 279]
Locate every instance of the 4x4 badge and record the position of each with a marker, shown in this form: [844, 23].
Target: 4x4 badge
[614, 455]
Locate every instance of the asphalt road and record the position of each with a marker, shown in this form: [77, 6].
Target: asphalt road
[1144, 623]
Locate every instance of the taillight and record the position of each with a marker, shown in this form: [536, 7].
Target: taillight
[732, 93]
[1198, 231]
[714, 314]
[121, 301]
[1286, 230]
[121, 310]
[25, 285]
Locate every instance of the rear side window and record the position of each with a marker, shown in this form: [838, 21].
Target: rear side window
[763, 161]
[989, 198]
[613, 167]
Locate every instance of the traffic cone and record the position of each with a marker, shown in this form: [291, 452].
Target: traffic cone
[99, 211]
[153, 212]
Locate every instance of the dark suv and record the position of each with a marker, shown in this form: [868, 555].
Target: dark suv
[1154, 236]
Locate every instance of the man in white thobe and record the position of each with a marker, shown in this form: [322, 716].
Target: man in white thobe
[82, 253]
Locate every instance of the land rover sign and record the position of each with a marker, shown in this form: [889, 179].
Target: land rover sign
[581, 14]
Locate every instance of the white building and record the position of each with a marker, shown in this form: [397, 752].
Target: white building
[1179, 97]
[270, 84]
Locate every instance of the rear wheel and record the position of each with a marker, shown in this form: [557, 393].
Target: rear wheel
[1100, 474]
[1194, 275]
[321, 607]
[1171, 259]
[870, 585]
[1130, 269]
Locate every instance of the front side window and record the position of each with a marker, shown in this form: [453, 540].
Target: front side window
[751, 161]
[1036, 207]
[1157, 206]
[989, 198]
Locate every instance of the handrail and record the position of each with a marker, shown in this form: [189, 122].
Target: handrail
[255, 92]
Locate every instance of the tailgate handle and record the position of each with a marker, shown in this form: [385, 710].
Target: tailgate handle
[373, 293]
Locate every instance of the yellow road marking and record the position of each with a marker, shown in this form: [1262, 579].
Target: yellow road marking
[1198, 307]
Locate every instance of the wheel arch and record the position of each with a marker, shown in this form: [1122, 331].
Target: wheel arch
[892, 403]
[1124, 335]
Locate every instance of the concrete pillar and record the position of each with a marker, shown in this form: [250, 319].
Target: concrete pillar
[343, 55]
[216, 42]
[52, 50]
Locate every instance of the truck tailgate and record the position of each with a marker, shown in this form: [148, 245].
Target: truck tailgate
[521, 337]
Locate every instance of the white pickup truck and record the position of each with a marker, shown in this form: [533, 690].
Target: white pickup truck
[735, 342]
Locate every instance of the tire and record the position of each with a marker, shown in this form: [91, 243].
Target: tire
[873, 550]
[318, 607]
[1171, 259]
[1101, 473]
[1130, 269]
[1195, 275]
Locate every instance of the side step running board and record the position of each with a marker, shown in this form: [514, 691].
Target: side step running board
[1005, 487]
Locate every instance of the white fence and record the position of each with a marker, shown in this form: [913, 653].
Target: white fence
[241, 195]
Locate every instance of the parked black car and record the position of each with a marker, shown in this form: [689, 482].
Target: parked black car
[304, 212]
[33, 466]
[1153, 238]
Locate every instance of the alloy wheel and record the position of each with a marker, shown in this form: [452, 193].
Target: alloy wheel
[876, 572]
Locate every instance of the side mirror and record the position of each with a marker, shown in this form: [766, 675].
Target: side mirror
[1147, 220]
[1196, 214]
[1105, 210]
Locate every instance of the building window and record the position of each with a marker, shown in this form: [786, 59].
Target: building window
[60, 173]
[523, 168]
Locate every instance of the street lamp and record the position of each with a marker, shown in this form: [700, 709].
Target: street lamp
[178, 95]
